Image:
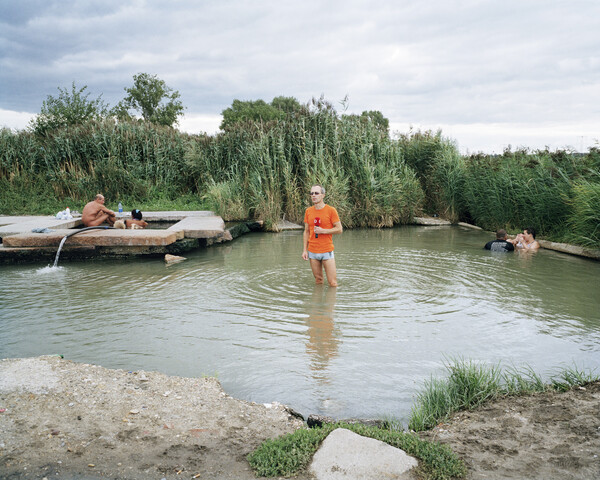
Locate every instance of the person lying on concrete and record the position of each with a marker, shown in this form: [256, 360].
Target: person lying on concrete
[95, 213]
[500, 244]
[136, 219]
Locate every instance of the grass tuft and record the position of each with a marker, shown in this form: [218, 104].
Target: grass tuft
[470, 385]
[292, 453]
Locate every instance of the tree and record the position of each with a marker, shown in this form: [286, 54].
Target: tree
[377, 118]
[153, 99]
[286, 104]
[258, 111]
[69, 108]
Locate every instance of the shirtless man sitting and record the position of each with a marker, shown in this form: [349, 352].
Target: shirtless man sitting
[95, 213]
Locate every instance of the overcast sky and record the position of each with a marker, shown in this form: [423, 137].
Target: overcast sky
[488, 73]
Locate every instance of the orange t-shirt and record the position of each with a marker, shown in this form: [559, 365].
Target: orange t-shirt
[327, 216]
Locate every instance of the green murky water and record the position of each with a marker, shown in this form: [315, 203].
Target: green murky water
[248, 312]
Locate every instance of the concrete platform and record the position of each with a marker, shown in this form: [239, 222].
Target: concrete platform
[174, 216]
[572, 249]
[24, 224]
[201, 226]
[431, 221]
[17, 231]
[284, 225]
[105, 238]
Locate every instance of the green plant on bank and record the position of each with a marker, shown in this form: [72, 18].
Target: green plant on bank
[470, 385]
[584, 223]
[292, 453]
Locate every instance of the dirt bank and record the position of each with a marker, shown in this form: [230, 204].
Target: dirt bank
[69, 420]
[60, 419]
[544, 436]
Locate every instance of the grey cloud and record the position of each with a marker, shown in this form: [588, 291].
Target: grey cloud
[428, 62]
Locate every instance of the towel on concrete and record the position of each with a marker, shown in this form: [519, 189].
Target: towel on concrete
[41, 230]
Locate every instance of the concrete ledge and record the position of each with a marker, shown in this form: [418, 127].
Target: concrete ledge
[110, 237]
[203, 226]
[468, 225]
[283, 225]
[19, 254]
[174, 216]
[18, 225]
[572, 249]
[431, 221]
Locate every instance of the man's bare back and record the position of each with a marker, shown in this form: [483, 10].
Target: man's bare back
[95, 213]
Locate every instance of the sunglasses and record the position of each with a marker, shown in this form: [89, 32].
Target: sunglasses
[315, 193]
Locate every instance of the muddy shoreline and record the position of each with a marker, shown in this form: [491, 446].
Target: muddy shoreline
[63, 419]
[68, 420]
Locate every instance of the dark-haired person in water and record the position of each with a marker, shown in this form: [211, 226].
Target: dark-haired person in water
[500, 244]
[526, 240]
[136, 219]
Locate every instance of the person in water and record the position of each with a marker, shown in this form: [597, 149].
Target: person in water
[321, 221]
[95, 213]
[500, 244]
[136, 219]
[526, 240]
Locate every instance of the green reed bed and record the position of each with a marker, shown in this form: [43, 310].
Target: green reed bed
[554, 192]
[263, 171]
[123, 161]
[363, 171]
[584, 222]
[290, 454]
[470, 385]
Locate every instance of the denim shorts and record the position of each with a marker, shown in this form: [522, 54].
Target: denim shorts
[320, 256]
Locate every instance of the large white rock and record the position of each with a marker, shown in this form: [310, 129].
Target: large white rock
[344, 455]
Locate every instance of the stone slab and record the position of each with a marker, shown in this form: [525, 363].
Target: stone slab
[572, 249]
[431, 221]
[468, 225]
[174, 216]
[284, 225]
[108, 238]
[11, 219]
[19, 225]
[344, 455]
[200, 226]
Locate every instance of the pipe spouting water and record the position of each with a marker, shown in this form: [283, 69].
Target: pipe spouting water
[62, 242]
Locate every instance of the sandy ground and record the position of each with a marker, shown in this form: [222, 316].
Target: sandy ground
[69, 420]
[544, 436]
[65, 420]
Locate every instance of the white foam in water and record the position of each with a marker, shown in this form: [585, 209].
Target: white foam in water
[49, 269]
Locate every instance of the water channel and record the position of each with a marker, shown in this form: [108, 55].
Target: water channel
[409, 299]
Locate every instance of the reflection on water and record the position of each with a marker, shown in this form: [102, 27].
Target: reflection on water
[249, 312]
[322, 341]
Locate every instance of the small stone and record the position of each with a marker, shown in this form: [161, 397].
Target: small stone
[173, 258]
[134, 411]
